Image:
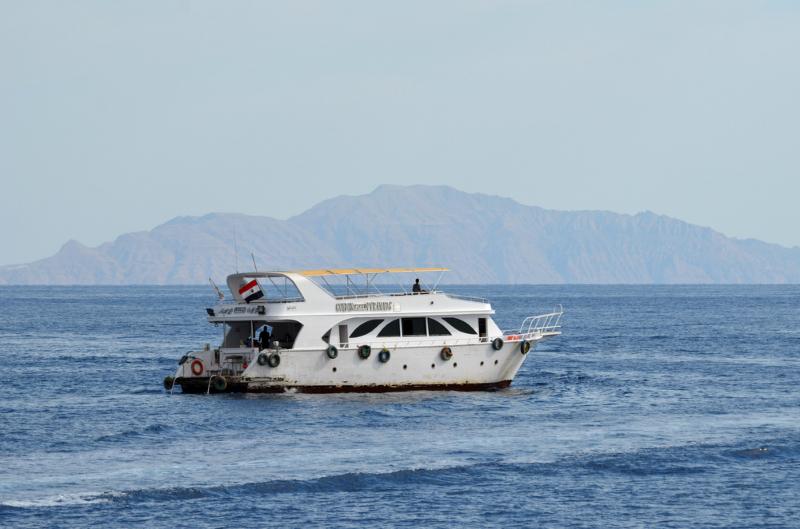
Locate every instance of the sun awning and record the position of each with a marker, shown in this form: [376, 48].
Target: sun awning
[355, 271]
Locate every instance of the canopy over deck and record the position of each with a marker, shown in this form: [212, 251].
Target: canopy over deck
[355, 271]
[306, 286]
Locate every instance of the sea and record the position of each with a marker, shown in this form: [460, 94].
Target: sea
[658, 407]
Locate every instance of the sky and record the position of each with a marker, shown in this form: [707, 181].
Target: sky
[118, 116]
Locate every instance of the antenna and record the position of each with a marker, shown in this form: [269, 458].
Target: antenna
[255, 268]
[220, 295]
[235, 249]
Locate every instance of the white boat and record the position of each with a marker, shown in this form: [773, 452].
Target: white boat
[324, 339]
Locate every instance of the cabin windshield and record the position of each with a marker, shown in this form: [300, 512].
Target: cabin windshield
[280, 334]
[276, 289]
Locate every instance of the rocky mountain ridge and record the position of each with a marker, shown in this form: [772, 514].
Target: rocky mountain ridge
[482, 238]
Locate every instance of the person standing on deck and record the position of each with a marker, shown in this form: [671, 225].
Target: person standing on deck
[416, 288]
[263, 338]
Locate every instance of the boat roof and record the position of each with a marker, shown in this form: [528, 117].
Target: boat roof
[308, 288]
[353, 271]
[336, 272]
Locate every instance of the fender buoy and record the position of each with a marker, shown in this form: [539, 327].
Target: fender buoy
[384, 356]
[332, 352]
[497, 343]
[446, 353]
[524, 347]
[197, 367]
[263, 359]
[274, 360]
[364, 351]
[168, 383]
[219, 383]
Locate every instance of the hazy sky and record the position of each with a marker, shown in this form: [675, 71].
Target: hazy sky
[117, 116]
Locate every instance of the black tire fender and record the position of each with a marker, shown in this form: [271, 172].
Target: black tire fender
[497, 344]
[332, 352]
[384, 356]
[219, 383]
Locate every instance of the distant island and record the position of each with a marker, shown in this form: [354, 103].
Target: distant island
[482, 238]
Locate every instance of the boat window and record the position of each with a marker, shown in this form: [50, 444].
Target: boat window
[460, 325]
[327, 337]
[282, 333]
[436, 329]
[285, 332]
[414, 327]
[391, 329]
[365, 328]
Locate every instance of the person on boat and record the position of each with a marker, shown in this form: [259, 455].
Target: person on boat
[417, 288]
[263, 338]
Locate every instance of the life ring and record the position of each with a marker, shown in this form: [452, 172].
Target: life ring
[197, 367]
[364, 351]
[263, 359]
[219, 383]
[497, 344]
[332, 352]
[524, 347]
[274, 360]
[446, 353]
[384, 355]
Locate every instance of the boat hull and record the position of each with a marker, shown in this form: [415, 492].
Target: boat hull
[473, 367]
[201, 386]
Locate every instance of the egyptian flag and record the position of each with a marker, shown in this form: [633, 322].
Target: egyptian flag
[250, 291]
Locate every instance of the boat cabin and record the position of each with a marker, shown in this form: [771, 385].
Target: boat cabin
[313, 309]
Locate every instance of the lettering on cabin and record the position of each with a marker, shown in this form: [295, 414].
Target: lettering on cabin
[367, 306]
[251, 309]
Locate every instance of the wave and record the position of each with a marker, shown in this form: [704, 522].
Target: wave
[661, 461]
[347, 482]
[59, 500]
[152, 429]
[145, 390]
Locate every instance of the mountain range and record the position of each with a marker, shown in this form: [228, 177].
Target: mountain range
[482, 238]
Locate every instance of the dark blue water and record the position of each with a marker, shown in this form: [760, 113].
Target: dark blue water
[658, 407]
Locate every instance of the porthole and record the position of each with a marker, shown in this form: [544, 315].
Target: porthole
[455, 364]
[495, 362]
[334, 370]
[481, 362]
[433, 365]
[405, 366]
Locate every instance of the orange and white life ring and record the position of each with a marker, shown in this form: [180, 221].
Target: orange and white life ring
[197, 367]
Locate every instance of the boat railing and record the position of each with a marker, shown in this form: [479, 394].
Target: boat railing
[537, 326]
[427, 292]
[468, 298]
[385, 294]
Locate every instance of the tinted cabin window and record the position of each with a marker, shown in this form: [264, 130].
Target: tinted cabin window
[436, 329]
[392, 329]
[414, 327]
[365, 328]
[460, 325]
